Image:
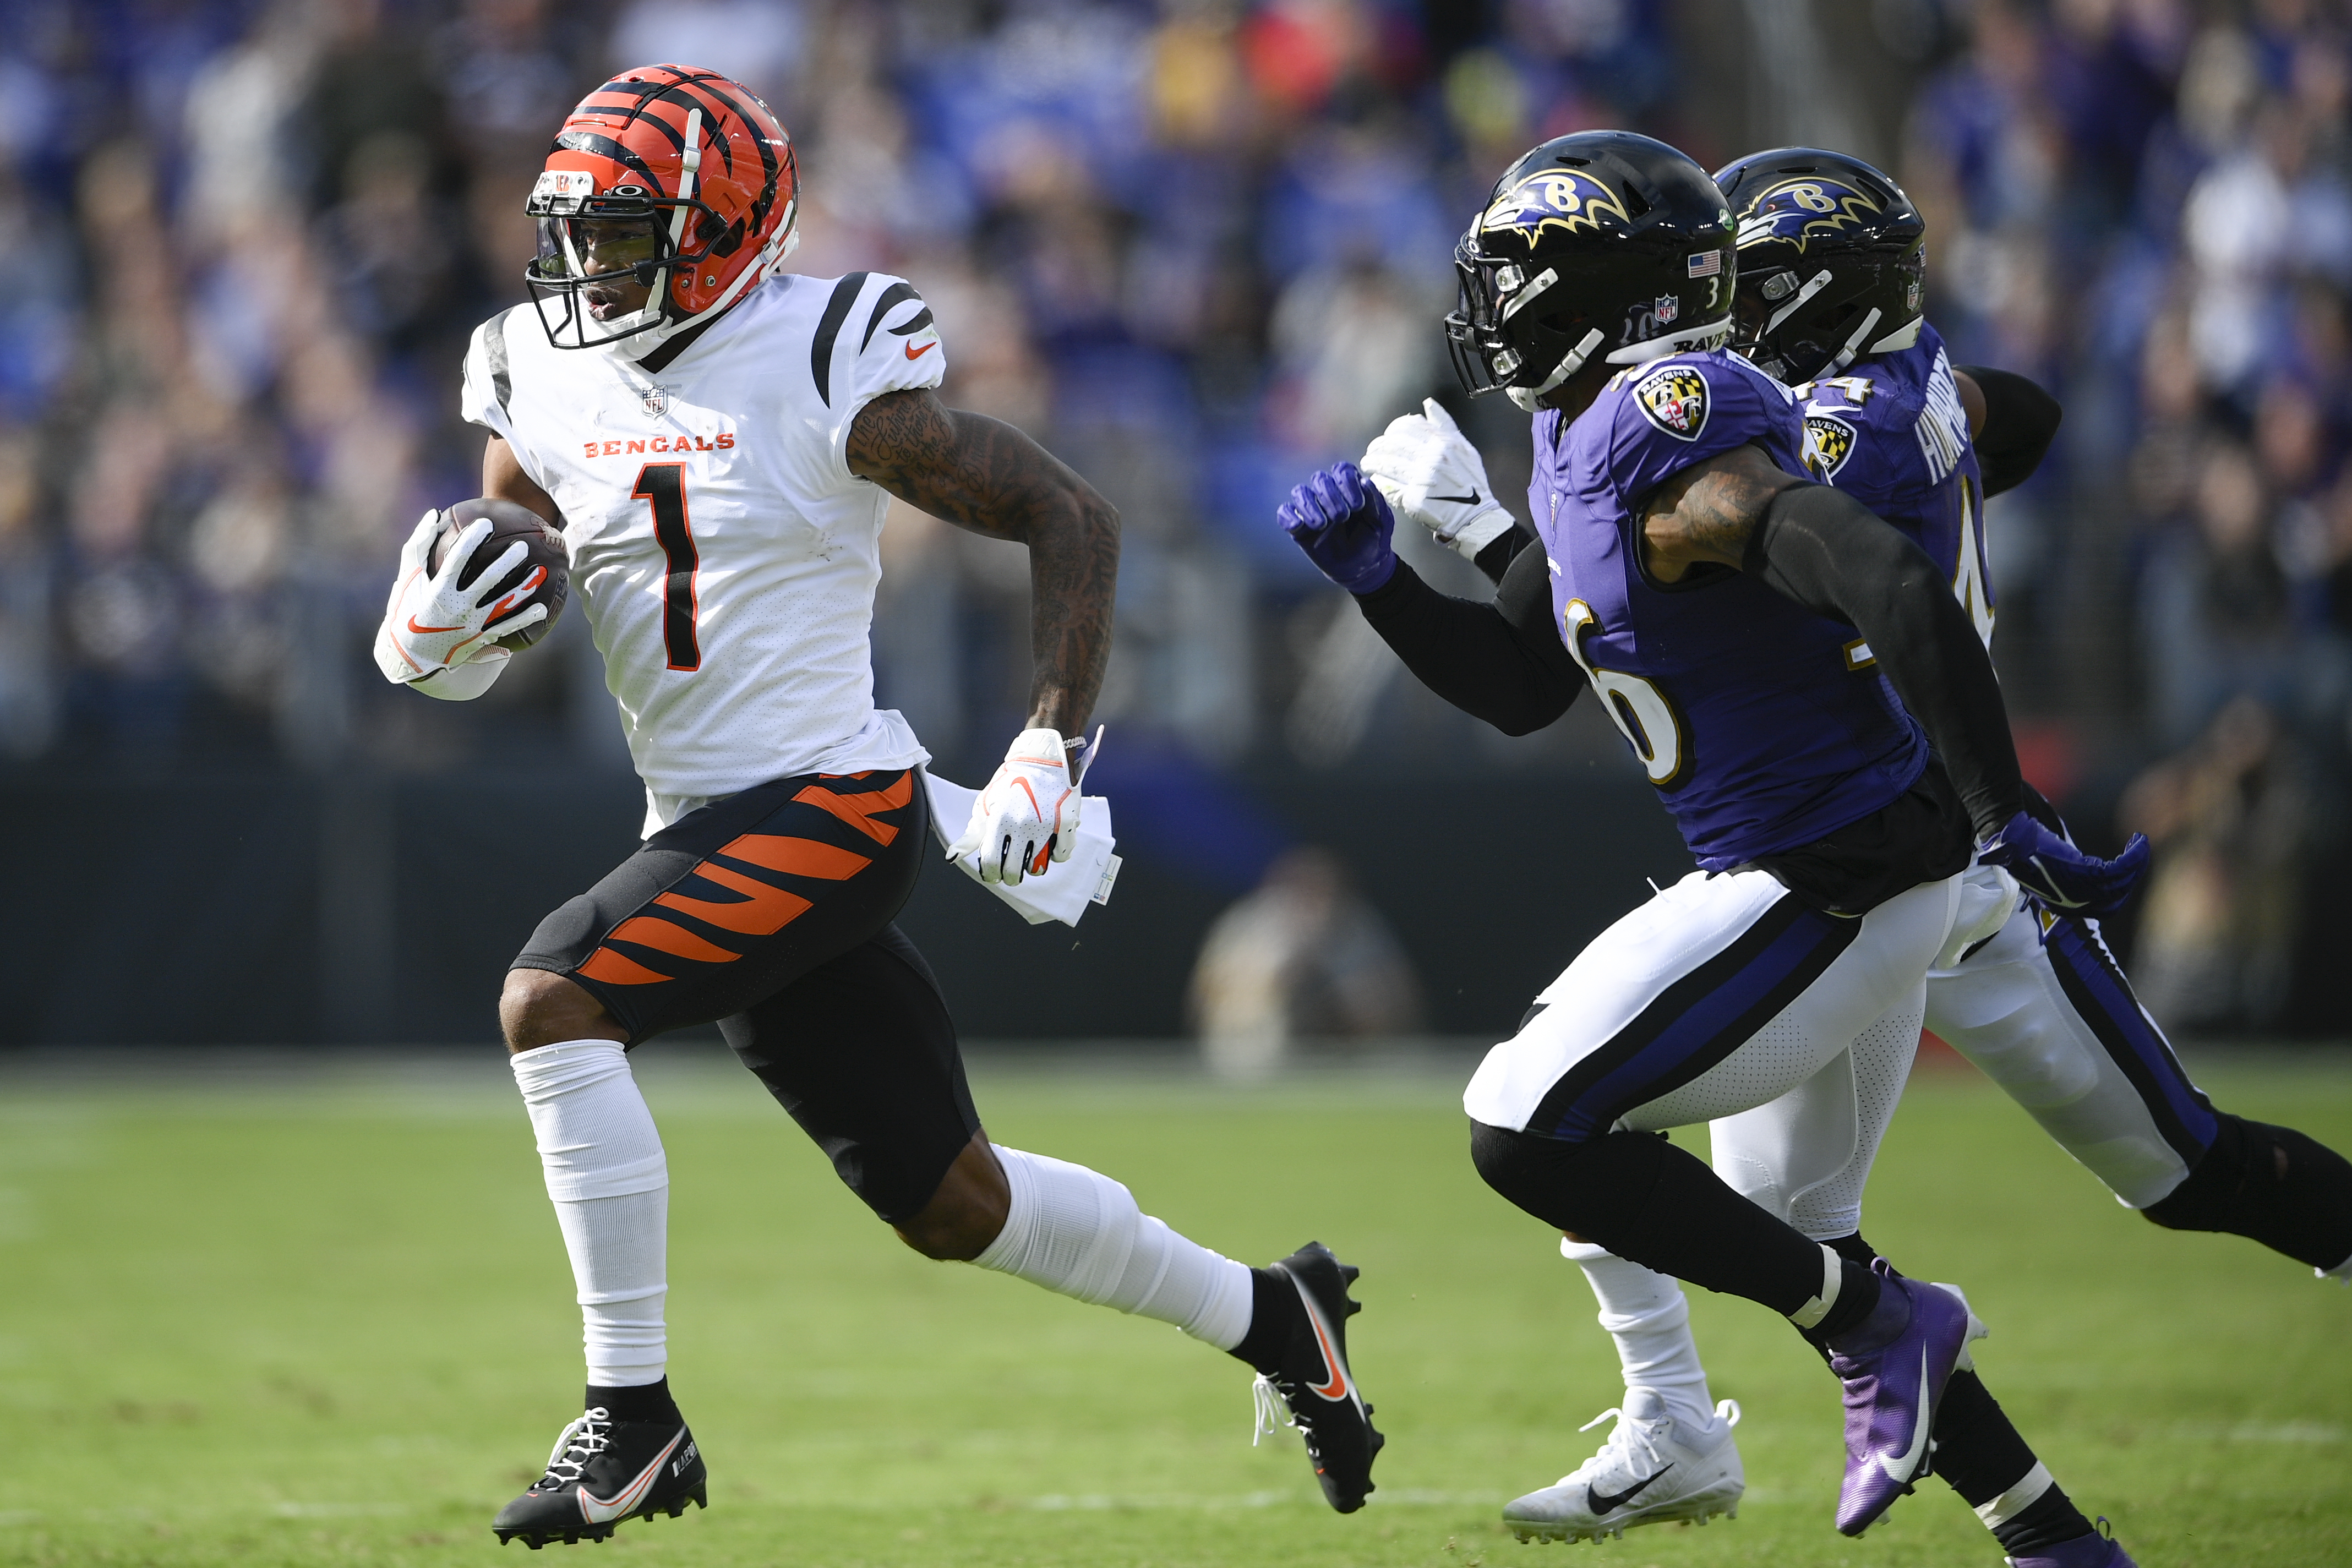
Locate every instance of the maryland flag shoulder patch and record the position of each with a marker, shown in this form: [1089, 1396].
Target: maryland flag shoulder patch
[1673, 398]
[1829, 441]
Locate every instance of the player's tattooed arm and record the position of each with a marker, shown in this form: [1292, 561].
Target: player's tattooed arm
[984, 475]
[1706, 514]
[503, 479]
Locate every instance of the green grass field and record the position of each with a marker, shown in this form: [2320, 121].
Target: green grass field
[329, 1321]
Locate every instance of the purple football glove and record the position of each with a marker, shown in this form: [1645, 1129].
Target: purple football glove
[1343, 524]
[2058, 873]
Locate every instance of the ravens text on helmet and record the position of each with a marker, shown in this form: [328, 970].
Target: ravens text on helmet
[1803, 210]
[1562, 197]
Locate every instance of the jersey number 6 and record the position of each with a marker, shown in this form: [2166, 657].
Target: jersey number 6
[1638, 709]
[664, 483]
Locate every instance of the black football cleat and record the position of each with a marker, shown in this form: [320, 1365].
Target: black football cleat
[1315, 1382]
[603, 1474]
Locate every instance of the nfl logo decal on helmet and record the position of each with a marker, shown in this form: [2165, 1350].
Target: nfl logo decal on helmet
[676, 178]
[1831, 261]
[1673, 398]
[1603, 247]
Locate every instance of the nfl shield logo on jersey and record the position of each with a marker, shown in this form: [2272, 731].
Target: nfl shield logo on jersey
[1673, 398]
[1829, 440]
[656, 402]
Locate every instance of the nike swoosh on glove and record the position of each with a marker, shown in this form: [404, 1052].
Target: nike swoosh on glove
[1027, 815]
[430, 624]
[2059, 874]
[1427, 470]
[1344, 526]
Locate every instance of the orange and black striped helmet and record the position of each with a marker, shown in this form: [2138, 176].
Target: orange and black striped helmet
[676, 177]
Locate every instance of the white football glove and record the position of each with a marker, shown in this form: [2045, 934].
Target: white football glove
[1028, 813]
[1429, 473]
[431, 625]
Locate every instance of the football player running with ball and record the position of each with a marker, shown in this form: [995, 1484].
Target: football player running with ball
[718, 440]
[1832, 269]
[1712, 598]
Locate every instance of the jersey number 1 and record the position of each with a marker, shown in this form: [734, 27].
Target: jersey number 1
[664, 483]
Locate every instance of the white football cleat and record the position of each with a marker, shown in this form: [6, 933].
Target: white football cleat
[1646, 1473]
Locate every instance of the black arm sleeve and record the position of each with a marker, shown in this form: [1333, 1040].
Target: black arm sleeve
[1501, 661]
[1825, 551]
[2020, 421]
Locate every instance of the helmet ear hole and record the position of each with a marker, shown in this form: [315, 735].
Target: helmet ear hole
[729, 242]
[1831, 320]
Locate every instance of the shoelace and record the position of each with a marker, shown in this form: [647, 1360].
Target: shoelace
[1613, 1412]
[1726, 1412]
[1271, 1412]
[588, 1436]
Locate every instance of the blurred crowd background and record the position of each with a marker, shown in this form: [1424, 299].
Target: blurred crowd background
[1197, 247]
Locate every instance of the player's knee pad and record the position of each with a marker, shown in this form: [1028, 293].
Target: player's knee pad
[2272, 1184]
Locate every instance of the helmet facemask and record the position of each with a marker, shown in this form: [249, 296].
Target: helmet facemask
[1494, 348]
[590, 244]
[1799, 323]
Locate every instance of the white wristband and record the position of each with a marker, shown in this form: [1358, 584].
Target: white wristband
[1478, 533]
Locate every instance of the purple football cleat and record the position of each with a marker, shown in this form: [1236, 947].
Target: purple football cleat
[2093, 1551]
[1895, 1364]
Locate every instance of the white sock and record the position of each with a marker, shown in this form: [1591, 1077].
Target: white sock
[1078, 1232]
[1645, 1313]
[610, 1184]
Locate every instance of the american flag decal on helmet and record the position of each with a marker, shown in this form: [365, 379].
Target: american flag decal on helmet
[1706, 264]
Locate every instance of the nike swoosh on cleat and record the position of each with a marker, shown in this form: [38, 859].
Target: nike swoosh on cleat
[1601, 1503]
[600, 1510]
[1334, 1387]
[1899, 1471]
[1470, 499]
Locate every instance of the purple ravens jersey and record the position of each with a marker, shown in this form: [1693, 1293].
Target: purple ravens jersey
[1894, 435]
[1758, 728]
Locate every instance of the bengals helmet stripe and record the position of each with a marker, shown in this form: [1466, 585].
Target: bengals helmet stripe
[685, 167]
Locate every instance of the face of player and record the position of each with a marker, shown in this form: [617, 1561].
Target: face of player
[608, 249]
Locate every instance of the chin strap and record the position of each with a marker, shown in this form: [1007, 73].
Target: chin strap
[1526, 397]
[1854, 344]
[1902, 337]
[1819, 281]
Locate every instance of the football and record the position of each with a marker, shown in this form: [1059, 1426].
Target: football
[546, 569]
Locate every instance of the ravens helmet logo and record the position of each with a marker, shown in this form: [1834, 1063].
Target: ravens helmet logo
[1567, 197]
[1799, 210]
[1829, 441]
[1673, 398]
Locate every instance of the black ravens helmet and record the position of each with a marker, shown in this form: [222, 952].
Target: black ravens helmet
[1599, 247]
[1831, 261]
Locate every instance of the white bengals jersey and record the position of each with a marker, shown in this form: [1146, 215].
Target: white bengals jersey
[725, 555]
